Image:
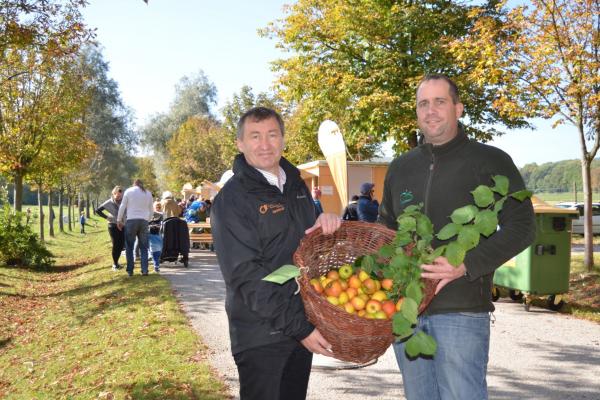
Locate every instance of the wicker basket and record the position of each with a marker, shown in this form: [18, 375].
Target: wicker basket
[352, 338]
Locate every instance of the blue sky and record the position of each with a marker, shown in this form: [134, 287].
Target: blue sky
[150, 47]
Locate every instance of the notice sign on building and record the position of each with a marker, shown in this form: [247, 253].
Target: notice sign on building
[326, 190]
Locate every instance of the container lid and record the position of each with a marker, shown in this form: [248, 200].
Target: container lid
[541, 207]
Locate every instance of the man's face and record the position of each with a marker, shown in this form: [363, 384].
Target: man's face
[118, 196]
[437, 115]
[262, 144]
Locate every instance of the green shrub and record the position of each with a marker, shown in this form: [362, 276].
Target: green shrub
[18, 244]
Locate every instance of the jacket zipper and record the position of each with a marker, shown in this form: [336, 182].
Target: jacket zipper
[428, 187]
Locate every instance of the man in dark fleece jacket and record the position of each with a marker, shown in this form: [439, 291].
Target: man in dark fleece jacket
[441, 174]
[257, 220]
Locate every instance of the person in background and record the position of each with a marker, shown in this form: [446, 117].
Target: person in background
[441, 173]
[169, 206]
[82, 221]
[154, 238]
[137, 206]
[117, 236]
[367, 207]
[27, 215]
[208, 203]
[316, 195]
[182, 204]
[258, 219]
[351, 211]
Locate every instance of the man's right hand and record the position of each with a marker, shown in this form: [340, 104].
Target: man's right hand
[316, 343]
[120, 226]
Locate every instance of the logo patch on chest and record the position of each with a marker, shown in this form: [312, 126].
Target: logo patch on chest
[273, 208]
[406, 197]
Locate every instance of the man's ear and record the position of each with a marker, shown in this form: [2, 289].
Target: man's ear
[459, 107]
[239, 145]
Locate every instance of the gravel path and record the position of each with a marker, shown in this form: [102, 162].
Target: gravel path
[534, 355]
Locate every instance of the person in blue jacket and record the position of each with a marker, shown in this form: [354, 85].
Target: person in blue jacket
[367, 207]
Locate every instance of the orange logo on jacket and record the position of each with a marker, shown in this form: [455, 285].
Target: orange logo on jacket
[274, 208]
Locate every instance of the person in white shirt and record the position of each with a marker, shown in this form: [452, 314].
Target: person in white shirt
[137, 205]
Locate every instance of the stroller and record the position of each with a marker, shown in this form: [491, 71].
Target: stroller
[176, 241]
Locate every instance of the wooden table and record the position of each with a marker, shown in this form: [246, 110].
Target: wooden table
[200, 233]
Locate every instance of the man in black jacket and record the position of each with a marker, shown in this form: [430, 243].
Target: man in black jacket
[440, 174]
[257, 221]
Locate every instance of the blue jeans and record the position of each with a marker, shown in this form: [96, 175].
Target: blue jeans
[459, 368]
[156, 259]
[136, 228]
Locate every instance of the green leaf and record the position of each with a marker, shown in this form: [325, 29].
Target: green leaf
[499, 204]
[430, 258]
[410, 310]
[449, 231]
[422, 245]
[468, 237]
[283, 274]
[439, 251]
[367, 264]
[428, 343]
[387, 251]
[399, 260]
[486, 222]
[501, 184]
[521, 194]
[424, 225]
[406, 224]
[455, 253]
[401, 327]
[483, 195]
[413, 346]
[412, 208]
[464, 215]
[414, 291]
[403, 238]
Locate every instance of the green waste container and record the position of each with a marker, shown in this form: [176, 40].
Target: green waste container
[542, 268]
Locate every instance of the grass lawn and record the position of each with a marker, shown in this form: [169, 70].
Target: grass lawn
[82, 331]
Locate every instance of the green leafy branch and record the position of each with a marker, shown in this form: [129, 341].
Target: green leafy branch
[401, 260]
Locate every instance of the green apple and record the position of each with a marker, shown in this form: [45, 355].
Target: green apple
[345, 271]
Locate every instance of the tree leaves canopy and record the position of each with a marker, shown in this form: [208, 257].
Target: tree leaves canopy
[358, 62]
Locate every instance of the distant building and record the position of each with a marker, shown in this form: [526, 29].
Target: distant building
[317, 173]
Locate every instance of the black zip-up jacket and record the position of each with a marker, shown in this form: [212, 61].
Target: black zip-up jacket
[256, 230]
[442, 177]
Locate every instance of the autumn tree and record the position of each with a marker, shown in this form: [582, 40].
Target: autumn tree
[145, 172]
[109, 124]
[195, 153]
[37, 42]
[543, 60]
[358, 63]
[195, 95]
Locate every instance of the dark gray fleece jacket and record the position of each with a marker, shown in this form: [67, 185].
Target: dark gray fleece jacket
[442, 178]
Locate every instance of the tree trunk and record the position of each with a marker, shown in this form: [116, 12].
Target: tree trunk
[18, 191]
[61, 225]
[50, 215]
[40, 205]
[70, 210]
[87, 205]
[588, 234]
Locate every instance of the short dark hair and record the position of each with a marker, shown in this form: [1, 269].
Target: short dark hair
[258, 114]
[453, 89]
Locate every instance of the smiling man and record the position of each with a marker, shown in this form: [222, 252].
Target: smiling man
[441, 174]
[257, 221]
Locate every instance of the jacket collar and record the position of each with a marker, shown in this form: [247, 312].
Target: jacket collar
[458, 141]
[246, 172]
